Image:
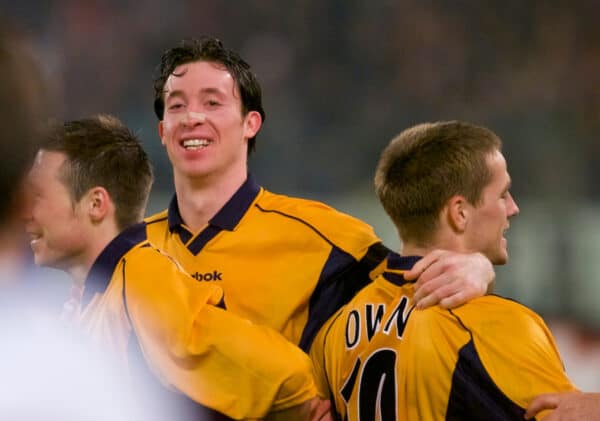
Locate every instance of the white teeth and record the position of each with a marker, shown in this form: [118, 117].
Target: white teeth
[195, 143]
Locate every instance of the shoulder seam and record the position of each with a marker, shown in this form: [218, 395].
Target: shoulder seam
[461, 323]
[302, 221]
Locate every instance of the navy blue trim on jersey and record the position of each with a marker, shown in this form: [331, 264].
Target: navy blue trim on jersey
[341, 278]
[233, 211]
[101, 271]
[221, 304]
[226, 219]
[295, 218]
[176, 222]
[203, 238]
[397, 262]
[474, 395]
[394, 278]
[174, 216]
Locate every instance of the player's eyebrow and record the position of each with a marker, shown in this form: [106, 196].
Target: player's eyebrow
[204, 91]
[171, 94]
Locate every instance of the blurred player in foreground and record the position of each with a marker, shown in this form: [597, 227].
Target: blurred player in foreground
[444, 185]
[47, 372]
[89, 186]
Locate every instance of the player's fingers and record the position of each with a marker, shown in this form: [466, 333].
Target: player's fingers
[423, 264]
[327, 417]
[436, 295]
[434, 271]
[542, 402]
[423, 289]
[462, 292]
[320, 410]
[456, 299]
[427, 301]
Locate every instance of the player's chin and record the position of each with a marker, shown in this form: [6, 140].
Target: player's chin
[501, 257]
[39, 259]
[42, 259]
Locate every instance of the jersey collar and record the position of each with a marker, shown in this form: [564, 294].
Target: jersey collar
[230, 214]
[102, 270]
[397, 265]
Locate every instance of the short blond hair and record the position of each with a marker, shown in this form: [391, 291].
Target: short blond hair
[424, 166]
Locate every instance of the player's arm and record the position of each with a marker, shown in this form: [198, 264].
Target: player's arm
[568, 406]
[216, 358]
[314, 410]
[451, 279]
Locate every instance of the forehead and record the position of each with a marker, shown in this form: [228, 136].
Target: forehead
[497, 165]
[47, 164]
[199, 76]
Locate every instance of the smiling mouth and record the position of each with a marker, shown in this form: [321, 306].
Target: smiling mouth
[194, 144]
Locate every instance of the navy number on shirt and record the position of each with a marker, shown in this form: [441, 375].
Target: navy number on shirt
[377, 389]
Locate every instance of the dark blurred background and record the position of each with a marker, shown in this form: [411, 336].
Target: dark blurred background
[341, 78]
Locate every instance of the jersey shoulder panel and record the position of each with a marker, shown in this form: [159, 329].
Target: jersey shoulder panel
[516, 348]
[342, 230]
[510, 322]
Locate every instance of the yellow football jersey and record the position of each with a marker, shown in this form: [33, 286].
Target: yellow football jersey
[146, 309]
[379, 358]
[276, 257]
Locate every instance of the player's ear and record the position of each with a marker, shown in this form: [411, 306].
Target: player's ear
[252, 123]
[458, 212]
[98, 202]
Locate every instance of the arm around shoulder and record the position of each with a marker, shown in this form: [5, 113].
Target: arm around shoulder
[213, 356]
[569, 406]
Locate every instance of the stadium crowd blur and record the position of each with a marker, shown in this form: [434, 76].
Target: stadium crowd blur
[340, 78]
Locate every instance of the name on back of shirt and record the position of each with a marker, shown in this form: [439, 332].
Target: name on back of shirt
[374, 318]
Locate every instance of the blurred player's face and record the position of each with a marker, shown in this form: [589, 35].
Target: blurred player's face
[489, 220]
[203, 129]
[54, 223]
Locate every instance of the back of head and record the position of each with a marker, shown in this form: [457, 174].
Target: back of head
[210, 50]
[22, 93]
[101, 151]
[424, 166]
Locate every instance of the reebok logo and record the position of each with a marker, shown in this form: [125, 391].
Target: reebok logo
[208, 276]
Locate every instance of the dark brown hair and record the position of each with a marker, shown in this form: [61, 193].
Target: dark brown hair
[210, 50]
[101, 151]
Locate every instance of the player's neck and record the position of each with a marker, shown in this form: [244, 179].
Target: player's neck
[12, 256]
[99, 239]
[452, 243]
[409, 249]
[200, 199]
